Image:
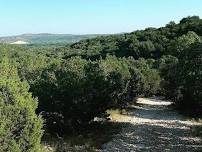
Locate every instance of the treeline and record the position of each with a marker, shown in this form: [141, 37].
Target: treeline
[76, 83]
[148, 43]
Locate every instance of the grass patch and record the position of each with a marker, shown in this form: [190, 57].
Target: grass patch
[117, 114]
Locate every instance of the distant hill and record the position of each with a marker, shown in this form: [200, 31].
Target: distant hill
[45, 38]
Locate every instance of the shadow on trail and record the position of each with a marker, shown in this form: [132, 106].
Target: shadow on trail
[157, 139]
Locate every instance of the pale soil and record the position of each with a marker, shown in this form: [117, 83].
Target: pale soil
[20, 42]
[153, 126]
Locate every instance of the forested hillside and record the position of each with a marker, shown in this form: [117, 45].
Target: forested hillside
[78, 82]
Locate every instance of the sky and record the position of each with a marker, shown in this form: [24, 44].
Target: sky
[91, 16]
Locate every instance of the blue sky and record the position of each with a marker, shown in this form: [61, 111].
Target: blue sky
[91, 16]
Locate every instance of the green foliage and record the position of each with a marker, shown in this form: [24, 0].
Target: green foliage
[182, 78]
[147, 79]
[182, 43]
[148, 43]
[167, 67]
[80, 89]
[20, 128]
[190, 77]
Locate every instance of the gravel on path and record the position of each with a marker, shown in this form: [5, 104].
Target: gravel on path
[152, 125]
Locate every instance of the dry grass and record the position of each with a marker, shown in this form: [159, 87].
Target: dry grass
[117, 114]
[46, 148]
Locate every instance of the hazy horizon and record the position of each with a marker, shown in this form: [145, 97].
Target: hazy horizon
[55, 34]
[143, 28]
[80, 17]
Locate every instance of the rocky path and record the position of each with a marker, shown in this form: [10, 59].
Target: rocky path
[153, 126]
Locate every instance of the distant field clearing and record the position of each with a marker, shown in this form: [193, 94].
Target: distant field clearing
[20, 42]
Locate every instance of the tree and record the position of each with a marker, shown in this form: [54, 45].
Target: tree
[147, 79]
[80, 90]
[167, 67]
[20, 127]
[182, 43]
[190, 77]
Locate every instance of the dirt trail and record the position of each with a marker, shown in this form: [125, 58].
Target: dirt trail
[153, 126]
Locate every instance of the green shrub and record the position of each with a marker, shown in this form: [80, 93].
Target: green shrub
[190, 77]
[20, 127]
[78, 90]
[145, 80]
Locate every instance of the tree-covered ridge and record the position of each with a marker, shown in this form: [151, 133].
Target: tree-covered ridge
[148, 43]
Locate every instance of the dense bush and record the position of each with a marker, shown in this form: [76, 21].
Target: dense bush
[182, 78]
[79, 90]
[147, 79]
[190, 78]
[74, 91]
[183, 42]
[168, 72]
[20, 127]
